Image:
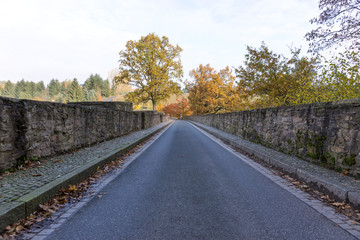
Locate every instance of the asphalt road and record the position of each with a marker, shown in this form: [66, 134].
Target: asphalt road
[185, 186]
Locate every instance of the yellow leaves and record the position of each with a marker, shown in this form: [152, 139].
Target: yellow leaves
[213, 91]
[153, 65]
[72, 188]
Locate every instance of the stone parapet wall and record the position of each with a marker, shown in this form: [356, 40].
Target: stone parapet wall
[121, 106]
[33, 129]
[324, 133]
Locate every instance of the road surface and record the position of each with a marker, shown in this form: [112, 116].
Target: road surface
[185, 186]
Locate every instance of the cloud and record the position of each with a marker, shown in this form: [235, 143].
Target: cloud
[66, 39]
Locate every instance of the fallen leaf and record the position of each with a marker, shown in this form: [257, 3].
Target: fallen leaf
[43, 207]
[353, 222]
[337, 204]
[72, 188]
[37, 175]
[19, 228]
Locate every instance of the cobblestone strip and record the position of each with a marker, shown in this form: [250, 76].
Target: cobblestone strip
[23, 182]
[339, 219]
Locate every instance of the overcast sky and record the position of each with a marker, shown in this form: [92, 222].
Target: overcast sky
[45, 39]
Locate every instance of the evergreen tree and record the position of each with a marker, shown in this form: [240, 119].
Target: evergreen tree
[74, 92]
[94, 82]
[54, 87]
[31, 89]
[90, 95]
[106, 88]
[63, 87]
[40, 87]
[9, 90]
[24, 95]
[20, 87]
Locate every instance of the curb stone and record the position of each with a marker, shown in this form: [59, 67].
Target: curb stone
[28, 203]
[340, 188]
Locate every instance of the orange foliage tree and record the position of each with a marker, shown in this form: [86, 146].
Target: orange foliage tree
[180, 108]
[213, 91]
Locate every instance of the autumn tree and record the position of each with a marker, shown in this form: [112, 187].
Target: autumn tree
[152, 65]
[117, 88]
[213, 91]
[180, 108]
[340, 24]
[74, 92]
[339, 78]
[270, 79]
[171, 109]
[183, 107]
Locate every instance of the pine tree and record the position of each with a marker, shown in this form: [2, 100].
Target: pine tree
[74, 92]
[40, 86]
[9, 90]
[31, 89]
[54, 87]
[20, 88]
[106, 88]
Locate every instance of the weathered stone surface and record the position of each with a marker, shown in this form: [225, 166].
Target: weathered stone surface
[121, 106]
[33, 129]
[323, 133]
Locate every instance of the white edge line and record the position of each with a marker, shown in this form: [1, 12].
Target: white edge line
[47, 231]
[272, 176]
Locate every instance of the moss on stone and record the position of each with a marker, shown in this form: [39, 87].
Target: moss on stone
[350, 161]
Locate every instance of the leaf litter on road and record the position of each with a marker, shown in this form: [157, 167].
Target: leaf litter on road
[71, 194]
[340, 207]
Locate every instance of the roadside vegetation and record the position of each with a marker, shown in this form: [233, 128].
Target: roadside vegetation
[150, 73]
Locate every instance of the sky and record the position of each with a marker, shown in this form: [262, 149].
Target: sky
[46, 39]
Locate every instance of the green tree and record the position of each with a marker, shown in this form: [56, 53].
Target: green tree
[40, 86]
[54, 87]
[31, 89]
[24, 95]
[9, 90]
[270, 79]
[94, 82]
[20, 88]
[90, 95]
[340, 78]
[106, 91]
[152, 65]
[74, 92]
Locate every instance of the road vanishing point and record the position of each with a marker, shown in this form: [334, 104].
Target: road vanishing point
[187, 186]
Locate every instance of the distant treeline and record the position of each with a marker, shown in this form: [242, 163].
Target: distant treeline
[94, 89]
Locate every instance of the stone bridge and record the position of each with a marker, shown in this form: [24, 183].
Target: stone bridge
[327, 134]
[33, 129]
